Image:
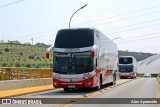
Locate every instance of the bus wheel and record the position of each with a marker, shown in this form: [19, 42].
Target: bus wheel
[114, 81]
[99, 84]
[66, 89]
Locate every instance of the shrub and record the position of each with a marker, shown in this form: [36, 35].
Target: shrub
[31, 57]
[17, 65]
[21, 54]
[28, 65]
[38, 58]
[4, 65]
[38, 66]
[33, 65]
[6, 50]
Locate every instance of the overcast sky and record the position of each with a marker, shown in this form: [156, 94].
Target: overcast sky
[137, 22]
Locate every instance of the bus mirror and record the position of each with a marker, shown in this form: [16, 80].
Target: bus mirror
[47, 55]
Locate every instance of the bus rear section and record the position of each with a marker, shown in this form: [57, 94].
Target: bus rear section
[127, 67]
[83, 60]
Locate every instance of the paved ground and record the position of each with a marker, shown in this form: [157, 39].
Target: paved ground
[125, 88]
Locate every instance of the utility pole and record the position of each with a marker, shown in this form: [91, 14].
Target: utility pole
[2, 39]
[32, 41]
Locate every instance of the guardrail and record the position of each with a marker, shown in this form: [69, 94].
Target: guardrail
[15, 73]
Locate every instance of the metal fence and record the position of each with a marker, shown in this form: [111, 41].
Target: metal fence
[15, 73]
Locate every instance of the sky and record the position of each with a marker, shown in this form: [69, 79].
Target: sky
[136, 23]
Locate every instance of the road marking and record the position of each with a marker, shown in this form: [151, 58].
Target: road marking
[158, 87]
[94, 94]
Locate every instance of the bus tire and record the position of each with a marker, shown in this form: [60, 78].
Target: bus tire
[114, 81]
[66, 89]
[99, 84]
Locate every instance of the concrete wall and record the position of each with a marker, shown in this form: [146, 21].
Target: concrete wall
[15, 84]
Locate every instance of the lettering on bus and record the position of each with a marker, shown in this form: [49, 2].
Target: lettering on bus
[72, 50]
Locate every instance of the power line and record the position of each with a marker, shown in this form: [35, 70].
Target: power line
[130, 17]
[139, 36]
[11, 3]
[112, 17]
[133, 24]
[47, 31]
[139, 39]
[121, 15]
[126, 38]
[131, 29]
[103, 31]
[113, 21]
[118, 15]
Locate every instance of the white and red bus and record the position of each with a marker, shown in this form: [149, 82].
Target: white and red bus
[83, 58]
[127, 67]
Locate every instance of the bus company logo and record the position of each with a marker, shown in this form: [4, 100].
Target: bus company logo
[71, 80]
[72, 50]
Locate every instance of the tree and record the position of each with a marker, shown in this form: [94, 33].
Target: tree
[41, 45]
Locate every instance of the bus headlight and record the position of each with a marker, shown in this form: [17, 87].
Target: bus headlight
[56, 76]
[55, 83]
[88, 75]
[88, 83]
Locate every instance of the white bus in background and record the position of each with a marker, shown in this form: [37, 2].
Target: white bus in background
[83, 58]
[127, 67]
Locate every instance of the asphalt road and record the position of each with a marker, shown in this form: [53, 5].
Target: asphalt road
[137, 88]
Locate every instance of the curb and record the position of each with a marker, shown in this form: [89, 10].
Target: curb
[24, 91]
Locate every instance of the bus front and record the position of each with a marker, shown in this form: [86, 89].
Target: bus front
[73, 65]
[126, 67]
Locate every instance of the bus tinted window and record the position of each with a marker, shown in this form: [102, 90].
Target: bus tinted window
[125, 60]
[125, 69]
[72, 63]
[77, 38]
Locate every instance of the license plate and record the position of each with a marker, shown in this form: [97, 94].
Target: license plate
[71, 86]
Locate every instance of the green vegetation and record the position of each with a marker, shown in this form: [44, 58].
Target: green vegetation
[16, 55]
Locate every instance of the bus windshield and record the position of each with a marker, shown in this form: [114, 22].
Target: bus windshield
[125, 69]
[72, 63]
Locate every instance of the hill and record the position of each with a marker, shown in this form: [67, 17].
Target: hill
[16, 55]
[138, 55]
[149, 65]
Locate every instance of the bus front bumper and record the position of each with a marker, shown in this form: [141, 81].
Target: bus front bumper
[88, 83]
[126, 76]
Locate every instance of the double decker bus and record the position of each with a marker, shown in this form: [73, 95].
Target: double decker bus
[83, 58]
[127, 67]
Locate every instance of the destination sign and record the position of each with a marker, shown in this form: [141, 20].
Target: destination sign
[72, 50]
